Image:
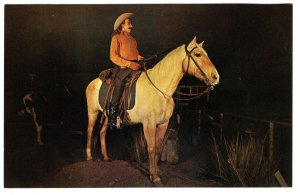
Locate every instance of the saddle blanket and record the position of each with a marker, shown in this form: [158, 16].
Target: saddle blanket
[128, 97]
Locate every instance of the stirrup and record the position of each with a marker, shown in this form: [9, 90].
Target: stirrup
[115, 123]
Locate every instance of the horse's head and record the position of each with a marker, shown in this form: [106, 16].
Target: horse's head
[198, 64]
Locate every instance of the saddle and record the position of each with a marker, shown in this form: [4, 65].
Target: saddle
[127, 100]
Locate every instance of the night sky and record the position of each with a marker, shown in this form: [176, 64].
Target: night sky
[250, 45]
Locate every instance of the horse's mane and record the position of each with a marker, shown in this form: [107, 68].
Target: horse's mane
[168, 63]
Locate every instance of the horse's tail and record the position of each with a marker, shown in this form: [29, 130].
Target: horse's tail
[92, 95]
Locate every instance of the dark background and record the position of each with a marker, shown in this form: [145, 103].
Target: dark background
[250, 45]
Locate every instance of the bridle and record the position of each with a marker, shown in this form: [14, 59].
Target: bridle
[189, 55]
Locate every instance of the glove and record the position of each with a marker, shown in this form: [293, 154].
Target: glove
[134, 66]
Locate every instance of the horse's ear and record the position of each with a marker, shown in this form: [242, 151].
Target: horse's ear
[192, 44]
[201, 44]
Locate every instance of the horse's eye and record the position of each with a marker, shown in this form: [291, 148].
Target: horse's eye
[198, 55]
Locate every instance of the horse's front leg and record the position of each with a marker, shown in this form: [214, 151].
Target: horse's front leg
[160, 135]
[102, 139]
[92, 120]
[38, 128]
[150, 136]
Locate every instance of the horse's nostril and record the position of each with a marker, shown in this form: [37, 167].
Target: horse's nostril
[215, 76]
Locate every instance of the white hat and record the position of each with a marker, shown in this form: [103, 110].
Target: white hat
[121, 18]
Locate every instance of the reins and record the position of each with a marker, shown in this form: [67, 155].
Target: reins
[156, 55]
[210, 87]
[164, 94]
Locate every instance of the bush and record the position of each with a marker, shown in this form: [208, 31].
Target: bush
[242, 161]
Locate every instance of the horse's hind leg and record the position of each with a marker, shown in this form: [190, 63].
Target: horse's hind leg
[102, 139]
[92, 120]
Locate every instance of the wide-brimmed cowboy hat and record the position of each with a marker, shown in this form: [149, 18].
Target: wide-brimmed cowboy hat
[121, 18]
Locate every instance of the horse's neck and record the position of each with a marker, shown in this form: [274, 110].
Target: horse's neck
[168, 72]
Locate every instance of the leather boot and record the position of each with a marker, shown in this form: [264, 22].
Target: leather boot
[113, 112]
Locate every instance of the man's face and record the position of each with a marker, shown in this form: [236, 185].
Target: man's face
[127, 26]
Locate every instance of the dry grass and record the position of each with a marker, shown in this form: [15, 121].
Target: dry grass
[242, 161]
[140, 147]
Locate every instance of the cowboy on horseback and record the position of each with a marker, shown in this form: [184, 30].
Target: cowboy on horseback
[125, 55]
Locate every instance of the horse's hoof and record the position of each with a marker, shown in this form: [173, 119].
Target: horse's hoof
[157, 182]
[107, 159]
[89, 158]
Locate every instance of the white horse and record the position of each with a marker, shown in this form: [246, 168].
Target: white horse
[154, 103]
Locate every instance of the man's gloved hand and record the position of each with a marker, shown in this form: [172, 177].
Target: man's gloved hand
[135, 66]
[140, 58]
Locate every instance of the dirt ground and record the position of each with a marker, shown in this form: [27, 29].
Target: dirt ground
[60, 162]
